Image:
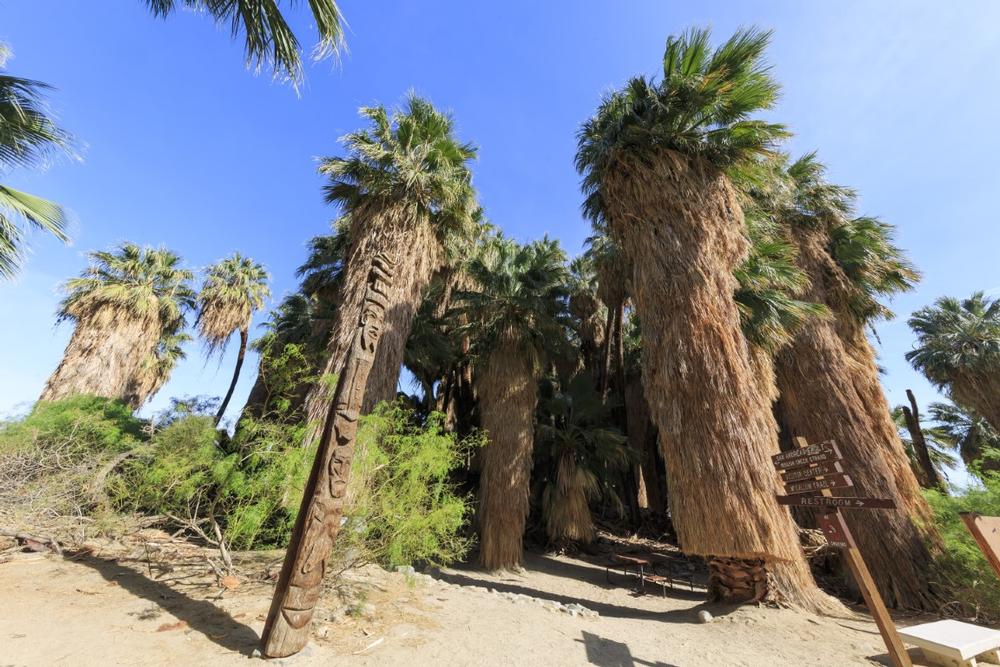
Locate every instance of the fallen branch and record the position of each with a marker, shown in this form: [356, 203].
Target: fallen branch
[28, 540]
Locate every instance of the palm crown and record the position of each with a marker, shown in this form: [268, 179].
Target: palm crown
[233, 289]
[521, 296]
[28, 137]
[141, 282]
[957, 338]
[410, 159]
[700, 108]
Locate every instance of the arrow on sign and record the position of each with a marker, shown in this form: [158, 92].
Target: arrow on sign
[843, 503]
[799, 474]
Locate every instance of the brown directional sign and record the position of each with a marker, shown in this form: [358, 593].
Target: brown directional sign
[842, 503]
[832, 530]
[799, 474]
[823, 452]
[831, 482]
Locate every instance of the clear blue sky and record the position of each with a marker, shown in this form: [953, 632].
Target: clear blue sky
[183, 147]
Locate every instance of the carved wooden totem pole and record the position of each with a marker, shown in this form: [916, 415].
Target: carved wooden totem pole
[301, 581]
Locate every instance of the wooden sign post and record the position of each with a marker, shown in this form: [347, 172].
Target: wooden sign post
[813, 468]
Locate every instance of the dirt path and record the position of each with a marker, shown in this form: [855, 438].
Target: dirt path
[89, 609]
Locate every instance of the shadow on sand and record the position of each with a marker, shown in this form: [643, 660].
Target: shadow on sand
[200, 615]
[606, 652]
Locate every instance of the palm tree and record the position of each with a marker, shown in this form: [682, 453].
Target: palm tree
[28, 137]
[268, 39]
[654, 161]
[234, 289]
[977, 442]
[514, 317]
[937, 442]
[404, 189]
[123, 305]
[580, 450]
[958, 349]
[829, 381]
[157, 367]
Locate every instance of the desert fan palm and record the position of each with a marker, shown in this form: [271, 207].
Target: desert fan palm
[233, 291]
[958, 349]
[654, 160]
[122, 306]
[28, 138]
[404, 188]
[514, 317]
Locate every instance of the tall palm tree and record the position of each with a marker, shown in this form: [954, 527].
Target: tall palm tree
[977, 442]
[28, 137]
[958, 349]
[404, 189]
[938, 442]
[234, 289]
[268, 38]
[580, 448]
[123, 305]
[829, 381]
[514, 317]
[654, 161]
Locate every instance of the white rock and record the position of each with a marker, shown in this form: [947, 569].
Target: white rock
[704, 617]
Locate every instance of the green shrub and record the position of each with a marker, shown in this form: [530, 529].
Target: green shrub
[962, 570]
[55, 460]
[402, 507]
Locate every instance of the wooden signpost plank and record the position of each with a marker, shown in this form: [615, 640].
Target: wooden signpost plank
[828, 482]
[824, 452]
[838, 527]
[823, 469]
[838, 502]
[986, 531]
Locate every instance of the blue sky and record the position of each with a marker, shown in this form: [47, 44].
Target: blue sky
[183, 147]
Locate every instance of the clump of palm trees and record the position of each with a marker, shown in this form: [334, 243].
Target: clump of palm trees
[129, 308]
[720, 310]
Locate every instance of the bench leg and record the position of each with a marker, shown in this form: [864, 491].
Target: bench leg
[946, 661]
[993, 656]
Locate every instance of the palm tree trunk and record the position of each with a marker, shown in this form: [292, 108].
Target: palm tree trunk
[420, 257]
[912, 416]
[244, 335]
[104, 356]
[680, 224]
[981, 395]
[508, 393]
[830, 390]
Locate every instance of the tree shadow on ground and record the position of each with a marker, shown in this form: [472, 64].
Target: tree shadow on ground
[606, 652]
[595, 575]
[200, 615]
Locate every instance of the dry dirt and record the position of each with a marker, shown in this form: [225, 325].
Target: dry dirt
[155, 602]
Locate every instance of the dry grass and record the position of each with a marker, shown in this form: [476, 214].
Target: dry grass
[508, 394]
[104, 355]
[567, 506]
[680, 224]
[830, 390]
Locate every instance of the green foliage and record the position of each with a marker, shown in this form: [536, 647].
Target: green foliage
[402, 507]
[50, 459]
[86, 424]
[961, 568]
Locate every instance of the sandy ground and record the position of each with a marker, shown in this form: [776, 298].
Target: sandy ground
[154, 606]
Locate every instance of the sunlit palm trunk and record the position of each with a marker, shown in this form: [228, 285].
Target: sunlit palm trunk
[104, 356]
[508, 394]
[420, 257]
[830, 390]
[236, 376]
[680, 224]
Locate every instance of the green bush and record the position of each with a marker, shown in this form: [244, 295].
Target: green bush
[401, 507]
[962, 570]
[55, 460]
